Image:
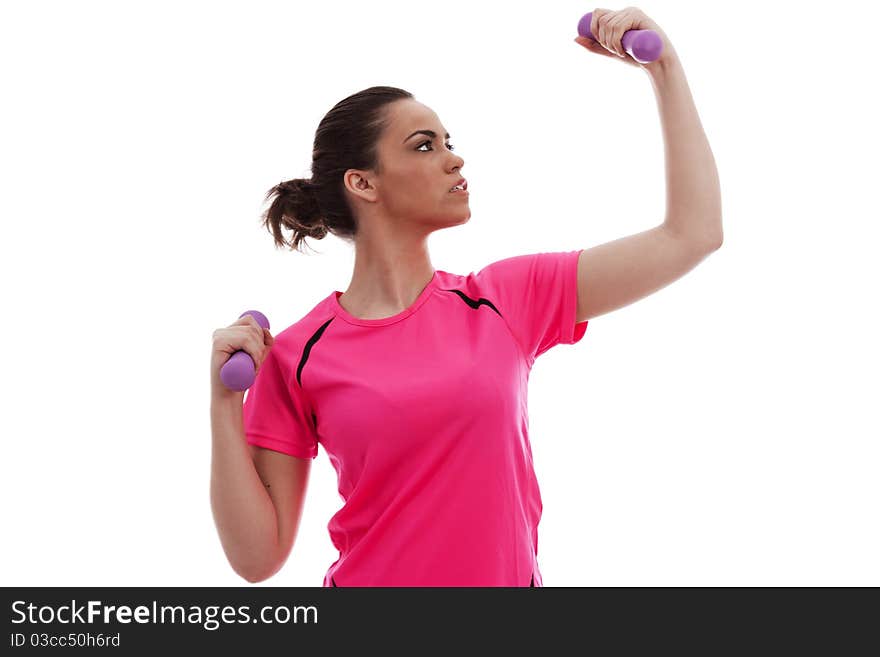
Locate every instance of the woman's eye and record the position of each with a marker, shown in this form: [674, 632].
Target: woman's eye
[427, 143]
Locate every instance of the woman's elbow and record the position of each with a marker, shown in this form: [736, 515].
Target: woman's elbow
[256, 576]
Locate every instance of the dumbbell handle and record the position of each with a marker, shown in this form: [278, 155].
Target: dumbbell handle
[239, 371]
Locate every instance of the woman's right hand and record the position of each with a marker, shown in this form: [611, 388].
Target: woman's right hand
[609, 26]
[245, 333]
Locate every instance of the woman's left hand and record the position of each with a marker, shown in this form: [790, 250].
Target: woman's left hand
[609, 26]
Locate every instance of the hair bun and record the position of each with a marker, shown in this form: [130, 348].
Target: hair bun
[295, 185]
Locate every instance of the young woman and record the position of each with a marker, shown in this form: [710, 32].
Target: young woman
[414, 379]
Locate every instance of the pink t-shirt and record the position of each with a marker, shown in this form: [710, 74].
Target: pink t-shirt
[424, 416]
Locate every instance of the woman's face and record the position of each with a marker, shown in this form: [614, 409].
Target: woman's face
[418, 171]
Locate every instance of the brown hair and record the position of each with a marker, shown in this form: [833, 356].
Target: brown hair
[346, 138]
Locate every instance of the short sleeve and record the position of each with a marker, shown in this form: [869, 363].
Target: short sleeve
[537, 296]
[276, 414]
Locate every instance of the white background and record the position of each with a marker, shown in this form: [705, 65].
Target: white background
[722, 431]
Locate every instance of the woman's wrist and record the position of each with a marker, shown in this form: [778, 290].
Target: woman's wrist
[226, 401]
[667, 65]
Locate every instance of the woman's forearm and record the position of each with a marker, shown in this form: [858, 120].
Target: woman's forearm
[693, 191]
[243, 510]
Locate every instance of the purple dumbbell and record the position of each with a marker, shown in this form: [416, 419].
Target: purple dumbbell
[239, 371]
[644, 45]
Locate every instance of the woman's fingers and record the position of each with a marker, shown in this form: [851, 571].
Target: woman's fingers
[609, 27]
[595, 27]
[599, 25]
[260, 339]
[616, 27]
